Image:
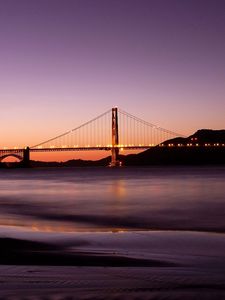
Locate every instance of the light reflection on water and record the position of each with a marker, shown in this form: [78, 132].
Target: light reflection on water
[102, 199]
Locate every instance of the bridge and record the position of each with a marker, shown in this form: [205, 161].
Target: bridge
[113, 131]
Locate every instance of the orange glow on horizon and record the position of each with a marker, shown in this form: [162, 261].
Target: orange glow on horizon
[64, 156]
[84, 155]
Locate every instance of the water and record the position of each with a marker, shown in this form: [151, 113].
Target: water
[135, 227]
[104, 199]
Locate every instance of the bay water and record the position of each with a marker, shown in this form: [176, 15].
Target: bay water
[108, 199]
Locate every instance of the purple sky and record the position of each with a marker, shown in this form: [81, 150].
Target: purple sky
[63, 62]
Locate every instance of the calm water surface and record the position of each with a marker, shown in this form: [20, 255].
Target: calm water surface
[104, 199]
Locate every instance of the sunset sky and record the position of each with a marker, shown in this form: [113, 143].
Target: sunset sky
[63, 62]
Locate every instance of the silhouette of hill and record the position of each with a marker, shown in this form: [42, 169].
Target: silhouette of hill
[201, 137]
[205, 146]
[73, 163]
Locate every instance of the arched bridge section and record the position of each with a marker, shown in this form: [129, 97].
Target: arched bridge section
[19, 157]
[22, 154]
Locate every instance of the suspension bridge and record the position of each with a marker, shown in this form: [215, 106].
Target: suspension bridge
[113, 131]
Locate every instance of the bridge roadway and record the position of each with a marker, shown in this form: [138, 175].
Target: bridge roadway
[55, 149]
[104, 148]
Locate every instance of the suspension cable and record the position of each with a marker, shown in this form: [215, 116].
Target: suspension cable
[149, 124]
[72, 130]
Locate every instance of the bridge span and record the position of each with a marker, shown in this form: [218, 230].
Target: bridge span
[113, 131]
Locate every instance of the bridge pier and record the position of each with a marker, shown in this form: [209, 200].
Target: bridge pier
[26, 157]
[115, 139]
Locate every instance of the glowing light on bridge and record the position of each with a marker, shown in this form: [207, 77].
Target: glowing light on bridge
[132, 133]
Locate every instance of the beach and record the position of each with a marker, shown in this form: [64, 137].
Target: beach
[137, 265]
[120, 249]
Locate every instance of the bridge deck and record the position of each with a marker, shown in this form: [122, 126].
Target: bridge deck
[104, 148]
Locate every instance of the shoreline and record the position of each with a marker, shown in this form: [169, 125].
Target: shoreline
[125, 265]
[125, 247]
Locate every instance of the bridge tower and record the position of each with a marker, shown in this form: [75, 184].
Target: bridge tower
[115, 138]
[26, 157]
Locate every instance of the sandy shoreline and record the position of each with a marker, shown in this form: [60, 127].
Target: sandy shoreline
[106, 265]
[19, 282]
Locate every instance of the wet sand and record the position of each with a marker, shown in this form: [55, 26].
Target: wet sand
[112, 265]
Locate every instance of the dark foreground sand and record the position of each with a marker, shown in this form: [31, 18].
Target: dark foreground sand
[122, 265]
